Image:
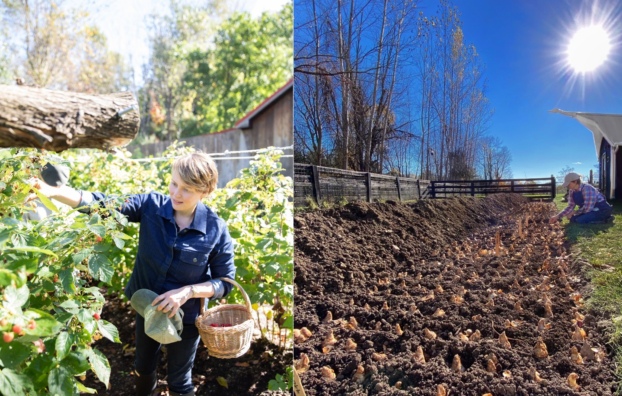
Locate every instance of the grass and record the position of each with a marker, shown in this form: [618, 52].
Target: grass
[601, 245]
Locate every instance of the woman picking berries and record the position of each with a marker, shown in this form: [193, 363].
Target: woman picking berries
[183, 245]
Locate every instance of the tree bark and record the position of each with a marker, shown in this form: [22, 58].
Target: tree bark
[59, 120]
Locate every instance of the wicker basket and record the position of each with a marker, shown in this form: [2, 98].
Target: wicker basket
[227, 342]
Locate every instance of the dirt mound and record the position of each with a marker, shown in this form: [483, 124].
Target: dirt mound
[433, 265]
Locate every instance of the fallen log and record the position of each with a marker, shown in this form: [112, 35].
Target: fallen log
[58, 120]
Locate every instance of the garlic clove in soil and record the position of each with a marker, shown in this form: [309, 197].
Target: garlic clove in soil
[463, 337]
[413, 309]
[548, 311]
[572, 381]
[575, 355]
[493, 357]
[419, 356]
[578, 334]
[329, 340]
[359, 374]
[462, 291]
[535, 376]
[430, 335]
[351, 301]
[517, 307]
[305, 332]
[491, 367]
[476, 318]
[457, 299]
[378, 357]
[503, 340]
[328, 373]
[302, 364]
[429, 297]
[398, 385]
[578, 316]
[439, 289]
[568, 288]
[378, 326]
[542, 325]
[439, 313]
[476, 336]
[507, 374]
[441, 390]
[456, 365]
[350, 345]
[398, 330]
[367, 307]
[385, 306]
[587, 352]
[328, 318]
[352, 323]
[298, 338]
[539, 350]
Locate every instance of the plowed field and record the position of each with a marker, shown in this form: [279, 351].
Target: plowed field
[444, 296]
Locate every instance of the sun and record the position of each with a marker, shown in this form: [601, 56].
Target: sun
[588, 49]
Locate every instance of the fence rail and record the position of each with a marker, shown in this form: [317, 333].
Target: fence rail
[323, 184]
[329, 184]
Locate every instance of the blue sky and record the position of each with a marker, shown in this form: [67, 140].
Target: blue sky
[523, 45]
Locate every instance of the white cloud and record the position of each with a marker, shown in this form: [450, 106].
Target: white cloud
[577, 163]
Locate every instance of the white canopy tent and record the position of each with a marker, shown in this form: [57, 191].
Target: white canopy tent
[607, 126]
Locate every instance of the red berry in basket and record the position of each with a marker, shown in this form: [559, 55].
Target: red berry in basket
[17, 329]
[214, 325]
[96, 316]
[8, 337]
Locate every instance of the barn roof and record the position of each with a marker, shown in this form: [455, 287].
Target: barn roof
[245, 122]
[608, 126]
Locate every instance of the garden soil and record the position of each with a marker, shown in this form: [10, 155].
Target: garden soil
[246, 375]
[379, 264]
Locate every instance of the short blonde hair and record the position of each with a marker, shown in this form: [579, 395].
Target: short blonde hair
[197, 170]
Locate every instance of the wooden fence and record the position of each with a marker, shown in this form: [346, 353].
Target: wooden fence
[534, 188]
[329, 184]
[322, 184]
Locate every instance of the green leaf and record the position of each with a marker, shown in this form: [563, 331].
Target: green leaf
[283, 258]
[16, 298]
[122, 235]
[84, 389]
[98, 230]
[94, 219]
[63, 317]
[12, 354]
[289, 322]
[264, 243]
[63, 345]
[60, 382]
[12, 383]
[223, 382]
[80, 256]
[33, 250]
[119, 242]
[39, 368]
[67, 280]
[108, 330]
[100, 267]
[7, 277]
[76, 362]
[48, 204]
[101, 367]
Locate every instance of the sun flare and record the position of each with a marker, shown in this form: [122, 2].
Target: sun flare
[588, 49]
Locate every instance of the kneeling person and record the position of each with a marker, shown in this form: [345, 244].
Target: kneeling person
[593, 207]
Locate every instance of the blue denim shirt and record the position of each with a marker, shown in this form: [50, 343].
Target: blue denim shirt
[167, 258]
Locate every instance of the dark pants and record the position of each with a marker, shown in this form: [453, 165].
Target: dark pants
[590, 217]
[180, 356]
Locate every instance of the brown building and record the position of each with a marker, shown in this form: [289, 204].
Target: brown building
[271, 124]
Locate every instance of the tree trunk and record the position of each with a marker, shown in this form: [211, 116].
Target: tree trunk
[59, 120]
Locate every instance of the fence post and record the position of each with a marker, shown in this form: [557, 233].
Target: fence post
[316, 184]
[369, 197]
[472, 188]
[512, 186]
[418, 189]
[553, 187]
[592, 176]
[399, 188]
[433, 191]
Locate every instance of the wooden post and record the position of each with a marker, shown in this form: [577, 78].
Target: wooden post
[418, 189]
[512, 186]
[433, 192]
[399, 188]
[592, 176]
[316, 184]
[472, 188]
[59, 120]
[553, 187]
[369, 197]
